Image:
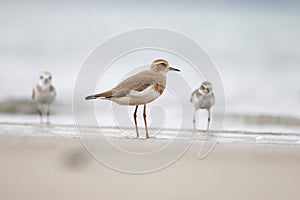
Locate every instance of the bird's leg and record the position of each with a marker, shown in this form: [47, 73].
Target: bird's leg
[194, 119]
[208, 121]
[136, 127]
[145, 120]
[48, 114]
[40, 113]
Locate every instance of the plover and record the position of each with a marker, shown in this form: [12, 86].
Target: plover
[139, 89]
[43, 94]
[203, 98]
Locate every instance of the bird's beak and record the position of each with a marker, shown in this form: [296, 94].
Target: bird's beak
[173, 69]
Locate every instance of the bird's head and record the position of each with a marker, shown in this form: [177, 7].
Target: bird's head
[45, 78]
[206, 87]
[162, 66]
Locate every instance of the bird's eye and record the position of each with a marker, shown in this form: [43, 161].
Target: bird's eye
[50, 77]
[41, 77]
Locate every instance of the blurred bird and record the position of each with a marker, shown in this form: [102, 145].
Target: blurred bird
[44, 94]
[139, 89]
[203, 98]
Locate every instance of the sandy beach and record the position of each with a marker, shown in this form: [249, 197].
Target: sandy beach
[58, 167]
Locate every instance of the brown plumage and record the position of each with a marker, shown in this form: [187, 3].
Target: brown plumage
[139, 89]
[137, 82]
[159, 87]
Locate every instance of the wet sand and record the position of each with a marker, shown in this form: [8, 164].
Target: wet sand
[58, 167]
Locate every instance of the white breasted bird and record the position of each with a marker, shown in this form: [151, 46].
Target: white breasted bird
[203, 98]
[44, 94]
[139, 89]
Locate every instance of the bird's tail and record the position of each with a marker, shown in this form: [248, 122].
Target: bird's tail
[90, 97]
[105, 95]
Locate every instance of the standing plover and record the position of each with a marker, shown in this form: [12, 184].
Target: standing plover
[203, 98]
[139, 89]
[44, 94]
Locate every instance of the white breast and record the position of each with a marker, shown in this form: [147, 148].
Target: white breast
[205, 101]
[44, 95]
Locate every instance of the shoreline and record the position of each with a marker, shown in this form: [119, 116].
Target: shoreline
[225, 136]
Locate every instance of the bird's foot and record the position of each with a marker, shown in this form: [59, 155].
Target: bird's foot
[151, 137]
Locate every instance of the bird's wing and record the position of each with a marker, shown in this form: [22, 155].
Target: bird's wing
[213, 98]
[195, 92]
[52, 89]
[137, 82]
[191, 99]
[33, 94]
